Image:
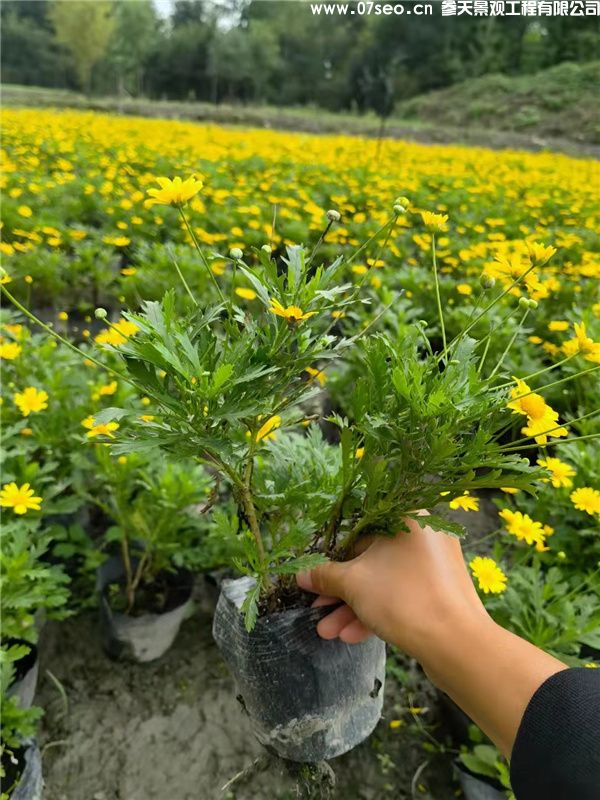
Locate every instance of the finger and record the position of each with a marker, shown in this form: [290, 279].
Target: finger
[324, 600]
[328, 579]
[355, 633]
[334, 623]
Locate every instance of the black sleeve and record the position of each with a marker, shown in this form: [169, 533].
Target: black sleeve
[556, 755]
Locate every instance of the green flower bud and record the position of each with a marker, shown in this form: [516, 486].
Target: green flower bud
[533, 304]
[523, 303]
[487, 282]
[236, 253]
[333, 215]
[266, 248]
[403, 203]
[100, 313]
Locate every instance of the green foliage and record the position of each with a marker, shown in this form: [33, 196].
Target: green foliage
[224, 381]
[85, 30]
[158, 513]
[550, 610]
[28, 584]
[486, 760]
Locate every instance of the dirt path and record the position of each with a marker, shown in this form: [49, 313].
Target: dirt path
[173, 729]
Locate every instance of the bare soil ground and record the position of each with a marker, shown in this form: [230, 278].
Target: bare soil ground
[173, 728]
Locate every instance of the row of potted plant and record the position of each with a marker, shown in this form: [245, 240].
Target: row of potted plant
[230, 397]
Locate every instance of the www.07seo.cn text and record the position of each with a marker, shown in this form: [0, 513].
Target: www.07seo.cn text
[378, 9]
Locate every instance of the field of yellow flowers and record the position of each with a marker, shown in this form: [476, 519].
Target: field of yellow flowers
[83, 226]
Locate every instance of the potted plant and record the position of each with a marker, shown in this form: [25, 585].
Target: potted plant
[154, 531]
[230, 386]
[28, 586]
[20, 758]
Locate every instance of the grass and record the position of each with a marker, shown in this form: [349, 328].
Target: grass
[557, 102]
[555, 109]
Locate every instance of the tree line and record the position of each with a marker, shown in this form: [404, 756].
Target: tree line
[272, 51]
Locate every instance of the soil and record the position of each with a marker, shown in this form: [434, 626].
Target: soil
[168, 590]
[173, 728]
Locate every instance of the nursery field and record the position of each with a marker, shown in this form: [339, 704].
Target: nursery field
[233, 352]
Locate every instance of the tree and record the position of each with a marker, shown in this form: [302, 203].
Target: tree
[85, 29]
[136, 33]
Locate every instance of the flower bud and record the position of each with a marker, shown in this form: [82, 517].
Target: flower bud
[423, 323]
[236, 253]
[523, 303]
[403, 203]
[487, 281]
[533, 304]
[333, 215]
[100, 313]
[266, 248]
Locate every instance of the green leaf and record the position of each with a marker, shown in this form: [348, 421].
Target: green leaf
[250, 607]
[220, 376]
[439, 523]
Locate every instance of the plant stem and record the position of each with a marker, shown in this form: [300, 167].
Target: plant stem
[319, 242]
[438, 298]
[541, 372]
[492, 304]
[183, 280]
[511, 341]
[128, 572]
[201, 254]
[62, 340]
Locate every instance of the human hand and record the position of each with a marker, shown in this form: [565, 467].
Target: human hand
[408, 589]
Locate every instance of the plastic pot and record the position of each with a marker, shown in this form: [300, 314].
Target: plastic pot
[30, 783]
[26, 675]
[475, 787]
[308, 699]
[148, 636]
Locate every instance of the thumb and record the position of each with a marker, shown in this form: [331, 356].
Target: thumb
[328, 579]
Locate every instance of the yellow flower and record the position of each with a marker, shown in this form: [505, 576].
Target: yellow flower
[88, 422]
[338, 314]
[147, 417]
[586, 499]
[117, 334]
[128, 271]
[10, 350]
[489, 575]
[26, 431]
[509, 489]
[104, 429]
[434, 222]
[174, 192]
[541, 418]
[558, 325]
[245, 294]
[560, 472]
[63, 316]
[464, 288]
[359, 453]
[540, 254]
[582, 343]
[522, 526]
[466, 502]
[24, 211]
[293, 314]
[318, 374]
[545, 426]
[31, 401]
[20, 498]
[266, 431]
[395, 724]
[109, 388]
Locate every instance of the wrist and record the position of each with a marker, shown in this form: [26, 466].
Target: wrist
[451, 641]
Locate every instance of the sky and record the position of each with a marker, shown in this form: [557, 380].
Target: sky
[163, 7]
